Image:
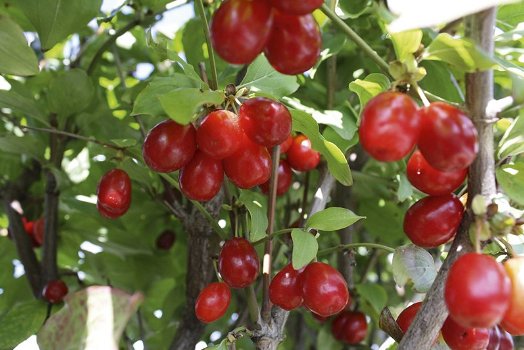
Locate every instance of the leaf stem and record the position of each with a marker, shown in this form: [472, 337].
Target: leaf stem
[355, 245]
[213, 83]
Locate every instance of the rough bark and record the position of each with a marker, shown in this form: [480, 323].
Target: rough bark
[479, 92]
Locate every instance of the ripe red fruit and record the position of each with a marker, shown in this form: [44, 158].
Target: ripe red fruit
[212, 302]
[350, 327]
[301, 156]
[169, 146]
[250, 166]
[285, 177]
[294, 7]
[506, 340]
[406, 317]
[28, 226]
[238, 263]
[494, 338]
[38, 232]
[513, 320]
[430, 180]
[477, 291]
[54, 291]
[433, 221]
[448, 138]
[285, 288]
[294, 44]
[265, 121]
[324, 289]
[240, 29]
[284, 146]
[461, 338]
[165, 240]
[219, 135]
[389, 126]
[201, 178]
[114, 194]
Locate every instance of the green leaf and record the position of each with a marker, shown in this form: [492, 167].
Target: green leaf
[368, 88]
[511, 179]
[412, 264]
[70, 92]
[254, 203]
[16, 57]
[182, 104]
[325, 340]
[54, 20]
[337, 162]
[332, 219]
[99, 310]
[261, 76]
[383, 219]
[405, 190]
[512, 143]
[374, 294]
[406, 43]
[221, 346]
[124, 142]
[20, 322]
[440, 81]
[22, 145]
[305, 248]
[22, 104]
[460, 53]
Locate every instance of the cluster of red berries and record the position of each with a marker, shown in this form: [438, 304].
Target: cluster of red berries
[391, 126]
[284, 29]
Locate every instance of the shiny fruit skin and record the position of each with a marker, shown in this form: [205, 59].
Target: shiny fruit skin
[506, 340]
[114, 194]
[238, 263]
[406, 317]
[461, 338]
[294, 7]
[285, 177]
[448, 138]
[54, 291]
[477, 291]
[219, 135]
[513, 320]
[240, 28]
[324, 289]
[265, 121]
[430, 180]
[350, 327]
[494, 338]
[165, 240]
[433, 220]
[294, 44]
[301, 156]
[285, 288]
[250, 166]
[212, 302]
[284, 146]
[169, 146]
[389, 126]
[201, 178]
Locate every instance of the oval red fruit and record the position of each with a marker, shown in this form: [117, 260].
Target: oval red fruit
[219, 135]
[201, 179]
[285, 177]
[55, 291]
[462, 338]
[212, 302]
[114, 193]
[350, 327]
[165, 240]
[285, 288]
[169, 146]
[238, 263]
[407, 316]
[301, 156]
[294, 7]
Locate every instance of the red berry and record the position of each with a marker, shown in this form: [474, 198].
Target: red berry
[38, 232]
[461, 338]
[506, 341]
[294, 7]
[219, 135]
[265, 121]
[294, 44]
[114, 194]
[54, 291]
[350, 327]
[165, 240]
[477, 291]
[284, 146]
[201, 178]
[448, 138]
[389, 126]
[240, 29]
[285, 288]
[324, 289]
[407, 316]
[430, 180]
[494, 338]
[28, 226]
[212, 302]
[301, 156]
[513, 320]
[169, 146]
[433, 221]
[238, 263]
[285, 176]
[250, 166]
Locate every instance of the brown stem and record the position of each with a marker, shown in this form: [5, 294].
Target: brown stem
[479, 91]
[388, 324]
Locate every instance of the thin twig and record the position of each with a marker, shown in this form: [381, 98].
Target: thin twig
[355, 245]
[213, 84]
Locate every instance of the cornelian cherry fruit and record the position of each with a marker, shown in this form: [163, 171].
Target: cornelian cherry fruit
[406, 317]
[294, 7]
[114, 194]
[55, 291]
[458, 337]
[238, 263]
[285, 288]
[201, 179]
[284, 146]
[212, 302]
[285, 177]
[301, 156]
[219, 135]
[38, 231]
[165, 240]
[350, 327]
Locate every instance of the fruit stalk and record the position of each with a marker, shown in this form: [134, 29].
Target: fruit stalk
[213, 81]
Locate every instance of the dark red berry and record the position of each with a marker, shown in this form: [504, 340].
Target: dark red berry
[212, 302]
[238, 263]
[301, 156]
[201, 179]
[220, 135]
[285, 289]
[54, 291]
